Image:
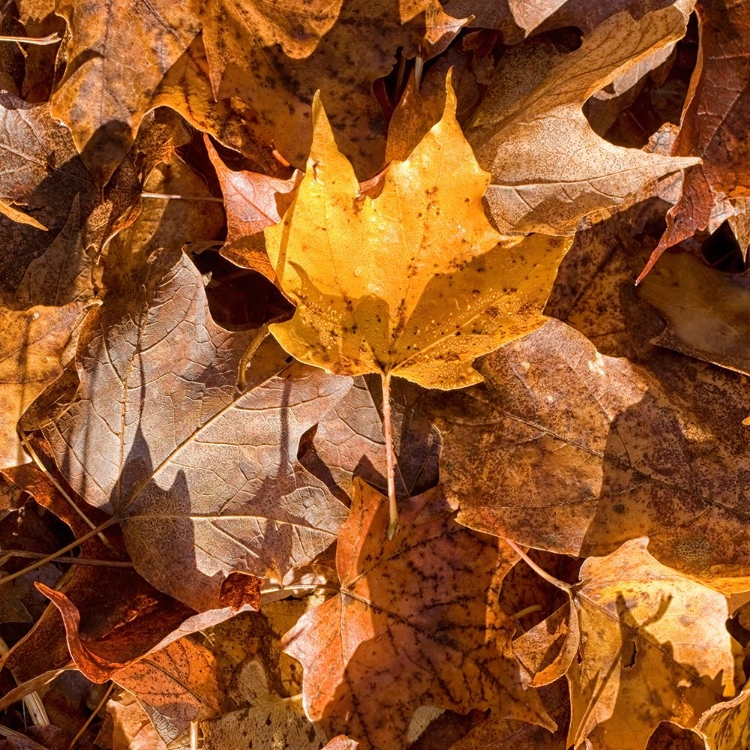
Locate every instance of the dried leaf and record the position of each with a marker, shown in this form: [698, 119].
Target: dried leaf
[571, 451]
[726, 726]
[417, 622]
[549, 168]
[151, 433]
[131, 726]
[646, 631]
[416, 287]
[31, 344]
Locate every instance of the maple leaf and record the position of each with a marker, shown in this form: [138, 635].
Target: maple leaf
[646, 630]
[31, 346]
[414, 282]
[571, 451]
[417, 621]
[152, 432]
[549, 168]
[717, 110]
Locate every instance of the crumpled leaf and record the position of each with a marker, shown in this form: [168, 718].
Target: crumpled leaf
[31, 345]
[253, 202]
[707, 311]
[714, 118]
[131, 726]
[726, 725]
[417, 622]
[571, 451]
[176, 686]
[341, 742]
[203, 479]
[646, 631]
[414, 282]
[549, 168]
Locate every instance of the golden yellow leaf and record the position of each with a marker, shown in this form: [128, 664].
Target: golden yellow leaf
[414, 282]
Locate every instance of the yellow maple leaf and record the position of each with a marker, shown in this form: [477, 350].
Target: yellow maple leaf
[413, 281]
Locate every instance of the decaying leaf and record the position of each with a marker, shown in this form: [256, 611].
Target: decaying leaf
[717, 110]
[706, 310]
[131, 726]
[646, 631]
[417, 621]
[568, 450]
[31, 344]
[152, 433]
[414, 282]
[549, 168]
[726, 726]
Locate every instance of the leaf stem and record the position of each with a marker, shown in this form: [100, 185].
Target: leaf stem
[176, 197]
[390, 458]
[50, 558]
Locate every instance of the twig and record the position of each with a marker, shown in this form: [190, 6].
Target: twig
[49, 558]
[88, 721]
[176, 197]
[32, 701]
[8, 553]
[389, 457]
[566, 587]
[49, 39]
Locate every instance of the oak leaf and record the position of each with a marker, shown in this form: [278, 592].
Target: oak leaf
[413, 282]
[203, 479]
[654, 648]
[417, 621]
[549, 168]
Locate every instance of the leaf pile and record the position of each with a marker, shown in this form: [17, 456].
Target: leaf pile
[332, 413]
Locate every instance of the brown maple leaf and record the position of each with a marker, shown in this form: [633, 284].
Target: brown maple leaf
[417, 621]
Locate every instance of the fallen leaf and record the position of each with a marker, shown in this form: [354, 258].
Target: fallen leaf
[31, 345]
[549, 168]
[131, 726]
[276, 59]
[151, 432]
[726, 726]
[654, 648]
[253, 202]
[567, 450]
[706, 310]
[411, 625]
[716, 111]
[341, 742]
[175, 686]
[118, 54]
[415, 287]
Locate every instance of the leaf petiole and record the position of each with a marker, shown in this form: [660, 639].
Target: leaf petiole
[389, 457]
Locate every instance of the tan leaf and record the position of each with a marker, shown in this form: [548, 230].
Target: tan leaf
[203, 479]
[131, 726]
[414, 282]
[571, 451]
[726, 726]
[417, 622]
[274, 57]
[647, 632]
[31, 344]
[706, 310]
[253, 202]
[717, 110]
[117, 52]
[14, 214]
[175, 686]
[549, 168]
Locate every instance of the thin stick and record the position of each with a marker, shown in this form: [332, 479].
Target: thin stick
[250, 352]
[390, 457]
[32, 702]
[104, 699]
[8, 553]
[35, 458]
[527, 611]
[49, 39]
[176, 197]
[566, 587]
[109, 522]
